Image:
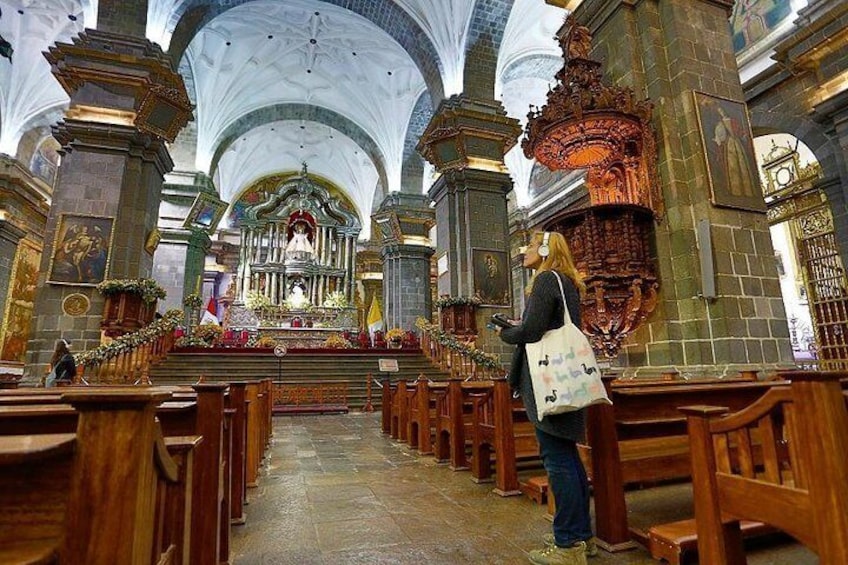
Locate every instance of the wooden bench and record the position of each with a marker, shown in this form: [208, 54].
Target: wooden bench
[642, 438]
[53, 504]
[500, 427]
[421, 416]
[196, 411]
[454, 413]
[801, 486]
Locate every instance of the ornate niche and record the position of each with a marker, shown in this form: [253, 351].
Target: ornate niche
[606, 131]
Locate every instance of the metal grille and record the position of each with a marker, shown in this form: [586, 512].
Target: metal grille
[827, 289]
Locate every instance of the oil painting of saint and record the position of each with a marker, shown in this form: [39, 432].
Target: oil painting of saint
[491, 277]
[20, 303]
[81, 253]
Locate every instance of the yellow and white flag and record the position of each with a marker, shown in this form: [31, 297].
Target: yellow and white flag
[375, 317]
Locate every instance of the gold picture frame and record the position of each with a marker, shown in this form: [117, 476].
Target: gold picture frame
[205, 213]
[81, 250]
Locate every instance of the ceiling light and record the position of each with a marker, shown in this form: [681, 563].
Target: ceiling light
[72, 17]
[313, 41]
[270, 37]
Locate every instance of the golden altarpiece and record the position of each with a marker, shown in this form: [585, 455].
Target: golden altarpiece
[297, 252]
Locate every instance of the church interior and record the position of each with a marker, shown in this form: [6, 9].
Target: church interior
[272, 235]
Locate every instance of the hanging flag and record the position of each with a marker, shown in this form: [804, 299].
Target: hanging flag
[210, 315]
[375, 317]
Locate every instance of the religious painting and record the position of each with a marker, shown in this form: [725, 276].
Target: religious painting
[20, 303]
[491, 277]
[753, 20]
[729, 153]
[81, 251]
[205, 213]
[45, 161]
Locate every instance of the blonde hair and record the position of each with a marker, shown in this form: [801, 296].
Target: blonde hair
[559, 259]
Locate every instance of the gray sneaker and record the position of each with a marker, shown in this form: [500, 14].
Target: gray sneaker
[553, 555]
[591, 547]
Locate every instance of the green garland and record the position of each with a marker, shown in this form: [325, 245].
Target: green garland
[446, 301]
[128, 342]
[148, 289]
[480, 357]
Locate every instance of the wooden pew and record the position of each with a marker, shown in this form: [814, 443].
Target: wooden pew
[454, 414]
[195, 411]
[802, 490]
[642, 438]
[500, 426]
[399, 412]
[237, 400]
[421, 420]
[53, 504]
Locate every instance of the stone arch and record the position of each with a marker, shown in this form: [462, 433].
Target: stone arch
[485, 32]
[306, 112]
[412, 169]
[192, 15]
[828, 154]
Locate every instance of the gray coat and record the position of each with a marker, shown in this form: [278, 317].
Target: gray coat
[544, 311]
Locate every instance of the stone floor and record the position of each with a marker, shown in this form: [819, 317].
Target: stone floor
[336, 491]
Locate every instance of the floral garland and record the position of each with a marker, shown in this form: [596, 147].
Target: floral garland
[208, 332]
[480, 357]
[128, 342]
[191, 341]
[254, 300]
[337, 341]
[193, 301]
[148, 289]
[446, 301]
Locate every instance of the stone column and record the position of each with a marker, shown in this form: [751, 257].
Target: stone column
[667, 50]
[466, 141]
[404, 221]
[127, 101]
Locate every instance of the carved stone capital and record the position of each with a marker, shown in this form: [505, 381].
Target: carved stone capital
[468, 133]
[405, 218]
[144, 88]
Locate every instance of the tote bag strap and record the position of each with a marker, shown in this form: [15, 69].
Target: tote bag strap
[566, 314]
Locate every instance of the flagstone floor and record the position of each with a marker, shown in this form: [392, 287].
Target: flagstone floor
[336, 491]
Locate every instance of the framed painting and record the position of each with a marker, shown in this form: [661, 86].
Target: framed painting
[491, 277]
[81, 250]
[206, 211]
[17, 320]
[729, 153]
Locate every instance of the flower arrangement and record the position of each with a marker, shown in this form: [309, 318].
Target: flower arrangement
[335, 299]
[337, 341]
[148, 289]
[208, 332]
[128, 342]
[395, 334]
[254, 300]
[266, 342]
[191, 341]
[297, 303]
[446, 301]
[193, 300]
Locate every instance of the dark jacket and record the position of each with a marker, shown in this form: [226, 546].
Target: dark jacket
[544, 311]
[66, 368]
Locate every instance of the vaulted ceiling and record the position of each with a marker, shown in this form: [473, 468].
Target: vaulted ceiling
[344, 85]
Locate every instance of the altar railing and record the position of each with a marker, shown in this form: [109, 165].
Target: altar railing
[127, 359]
[459, 358]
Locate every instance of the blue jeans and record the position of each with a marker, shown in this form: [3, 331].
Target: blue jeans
[568, 484]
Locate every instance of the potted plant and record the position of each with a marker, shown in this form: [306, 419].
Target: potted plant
[130, 304]
[457, 314]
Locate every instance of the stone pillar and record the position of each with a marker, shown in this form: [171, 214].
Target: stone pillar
[667, 50]
[126, 103]
[404, 221]
[179, 258]
[466, 141]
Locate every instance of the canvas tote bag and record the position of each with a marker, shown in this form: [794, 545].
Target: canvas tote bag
[563, 369]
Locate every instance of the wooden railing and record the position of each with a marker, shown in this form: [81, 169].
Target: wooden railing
[128, 358]
[460, 359]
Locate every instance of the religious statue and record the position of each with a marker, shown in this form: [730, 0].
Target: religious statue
[299, 247]
[578, 42]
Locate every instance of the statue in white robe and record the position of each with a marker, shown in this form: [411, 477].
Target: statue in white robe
[299, 248]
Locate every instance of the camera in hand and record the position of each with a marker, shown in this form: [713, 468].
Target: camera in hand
[501, 320]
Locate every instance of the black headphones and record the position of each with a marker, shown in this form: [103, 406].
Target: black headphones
[544, 250]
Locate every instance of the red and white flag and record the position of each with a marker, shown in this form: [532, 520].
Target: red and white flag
[210, 315]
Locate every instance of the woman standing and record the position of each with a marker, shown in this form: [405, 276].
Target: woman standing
[549, 256]
[63, 368]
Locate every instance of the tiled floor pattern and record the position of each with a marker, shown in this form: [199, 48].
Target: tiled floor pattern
[336, 491]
